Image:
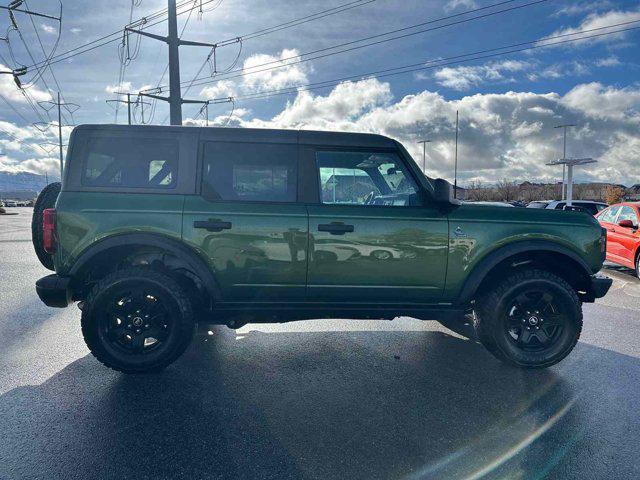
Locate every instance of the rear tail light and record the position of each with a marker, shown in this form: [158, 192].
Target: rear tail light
[49, 230]
[603, 240]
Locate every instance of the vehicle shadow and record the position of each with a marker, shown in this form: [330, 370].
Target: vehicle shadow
[623, 271]
[320, 405]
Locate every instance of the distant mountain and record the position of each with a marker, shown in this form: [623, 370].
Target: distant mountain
[22, 182]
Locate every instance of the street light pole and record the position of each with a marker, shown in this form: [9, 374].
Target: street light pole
[564, 127]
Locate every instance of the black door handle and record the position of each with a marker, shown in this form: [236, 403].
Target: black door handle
[335, 228]
[212, 225]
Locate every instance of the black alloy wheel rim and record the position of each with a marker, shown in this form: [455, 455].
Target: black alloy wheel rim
[137, 320]
[535, 321]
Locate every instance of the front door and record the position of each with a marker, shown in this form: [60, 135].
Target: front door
[608, 220]
[371, 238]
[627, 238]
[247, 223]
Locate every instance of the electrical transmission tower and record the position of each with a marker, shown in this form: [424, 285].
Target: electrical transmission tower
[174, 99]
[71, 108]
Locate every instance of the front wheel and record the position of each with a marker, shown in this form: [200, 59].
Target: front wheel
[532, 319]
[137, 320]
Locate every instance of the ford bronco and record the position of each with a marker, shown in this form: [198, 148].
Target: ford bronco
[157, 229]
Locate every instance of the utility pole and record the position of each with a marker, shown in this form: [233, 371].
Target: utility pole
[455, 165]
[424, 154]
[128, 101]
[172, 40]
[564, 155]
[67, 106]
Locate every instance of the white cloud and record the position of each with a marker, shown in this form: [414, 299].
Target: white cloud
[273, 79]
[598, 101]
[501, 135]
[455, 4]
[465, 77]
[48, 29]
[48, 165]
[600, 20]
[223, 88]
[611, 61]
[262, 72]
[580, 8]
[75, 30]
[12, 93]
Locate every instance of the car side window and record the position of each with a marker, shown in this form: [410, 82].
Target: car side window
[129, 162]
[609, 215]
[627, 213]
[365, 178]
[250, 172]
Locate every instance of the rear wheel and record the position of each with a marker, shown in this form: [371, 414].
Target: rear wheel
[46, 199]
[137, 320]
[532, 319]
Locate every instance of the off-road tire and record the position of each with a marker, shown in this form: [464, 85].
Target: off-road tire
[182, 317]
[491, 311]
[46, 199]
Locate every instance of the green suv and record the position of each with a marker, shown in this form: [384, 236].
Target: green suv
[157, 229]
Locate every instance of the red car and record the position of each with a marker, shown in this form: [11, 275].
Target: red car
[623, 239]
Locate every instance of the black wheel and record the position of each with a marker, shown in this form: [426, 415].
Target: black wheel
[638, 265]
[532, 319]
[46, 199]
[381, 254]
[137, 320]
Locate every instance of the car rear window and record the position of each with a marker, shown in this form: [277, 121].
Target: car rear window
[253, 172]
[129, 162]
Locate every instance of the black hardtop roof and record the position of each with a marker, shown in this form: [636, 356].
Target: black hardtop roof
[258, 135]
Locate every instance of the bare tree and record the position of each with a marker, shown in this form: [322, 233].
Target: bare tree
[507, 190]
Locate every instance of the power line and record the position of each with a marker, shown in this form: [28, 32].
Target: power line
[17, 112]
[431, 64]
[115, 36]
[16, 139]
[312, 54]
[108, 39]
[53, 75]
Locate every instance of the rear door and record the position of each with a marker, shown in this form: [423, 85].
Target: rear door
[371, 238]
[247, 222]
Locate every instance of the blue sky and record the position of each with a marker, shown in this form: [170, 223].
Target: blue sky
[508, 104]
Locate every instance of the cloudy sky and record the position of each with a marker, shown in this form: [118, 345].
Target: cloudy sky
[431, 59]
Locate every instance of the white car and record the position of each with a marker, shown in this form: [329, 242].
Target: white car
[589, 205]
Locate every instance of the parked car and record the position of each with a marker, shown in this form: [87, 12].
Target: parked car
[587, 205]
[159, 228]
[10, 203]
[623, 240]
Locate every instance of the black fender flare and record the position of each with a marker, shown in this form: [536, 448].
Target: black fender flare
[193, 259]
[484, 266]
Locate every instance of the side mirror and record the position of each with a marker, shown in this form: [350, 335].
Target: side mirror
[443, 191]
[626, 224]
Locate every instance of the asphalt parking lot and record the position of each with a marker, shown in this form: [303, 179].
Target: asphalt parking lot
[312, 400]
